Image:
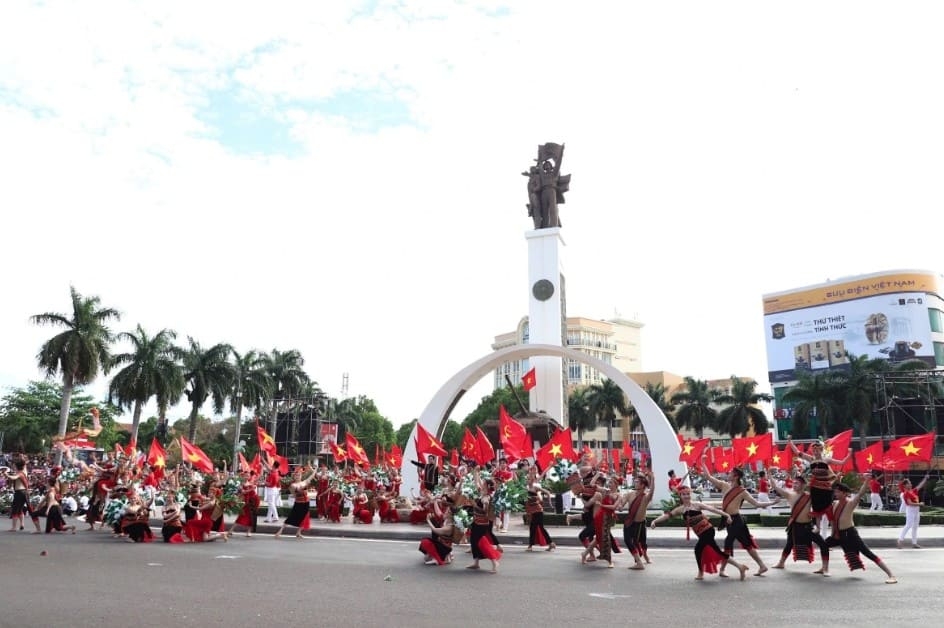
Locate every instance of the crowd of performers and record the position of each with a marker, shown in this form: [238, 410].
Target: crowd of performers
[123, 493]
[464, 504]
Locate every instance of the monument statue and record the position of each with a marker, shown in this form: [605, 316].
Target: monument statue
[546, 186]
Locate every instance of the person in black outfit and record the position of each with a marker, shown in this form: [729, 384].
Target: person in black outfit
[429, 472]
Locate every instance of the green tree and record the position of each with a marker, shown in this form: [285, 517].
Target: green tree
[741, 411]
[659, 394]
[150, 369]
[452, 435]
[694, 401]
[489, 404]
[607, 402]
[80, 351]
[28, 416]
[857, 393]
[209, 374]
[580, 417]
[815, 396]
[252, 386]
[374, 430]
[288, 377]
[402, 435]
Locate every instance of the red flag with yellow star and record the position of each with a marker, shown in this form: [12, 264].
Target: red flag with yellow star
[395, 457]
[426, 443]
[781, 458]
[721, 459]
[266, 442]
[692, 449]
[559, 446]
[195, 456]
[869, 458]
[338, 452]
[355, 452]
[903, 451]
[529, 380]
[752, 449]
[837, 447]
[157, 457]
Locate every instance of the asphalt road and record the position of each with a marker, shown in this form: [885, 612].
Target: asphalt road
[91, 579]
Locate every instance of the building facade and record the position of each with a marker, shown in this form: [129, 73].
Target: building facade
[897, 315]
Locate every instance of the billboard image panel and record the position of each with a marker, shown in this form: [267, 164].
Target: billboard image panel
[892, 326]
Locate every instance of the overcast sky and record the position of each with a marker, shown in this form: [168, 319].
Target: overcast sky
[342, 178]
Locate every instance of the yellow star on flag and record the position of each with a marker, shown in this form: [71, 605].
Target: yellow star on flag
[688, 448]
[556, 450]
[193, 457]
[776, 458]
[159, 462]
[752, 449]
[910, 449]
[724, 465]
[869, 458]
[507, 431]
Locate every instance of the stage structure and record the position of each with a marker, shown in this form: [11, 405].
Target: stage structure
[910, 402]
[298, 427]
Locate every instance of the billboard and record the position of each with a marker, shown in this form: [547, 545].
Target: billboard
[881, 316]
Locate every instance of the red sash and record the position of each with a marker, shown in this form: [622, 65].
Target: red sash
[729, 497]
[798, 507]
[633, 508]
[837, 511]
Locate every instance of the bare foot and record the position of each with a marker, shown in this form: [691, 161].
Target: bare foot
[700, 577]
[761, 571]
[277, 535]
[298, 536]
[638, 567]
[610, 565]
[529, 549]
[743, 569]
[891, 580]
[778, 566]
[472, 567]
[721, 574]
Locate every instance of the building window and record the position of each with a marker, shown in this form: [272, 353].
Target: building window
[574, 371]
[939, 353]
[937, 320]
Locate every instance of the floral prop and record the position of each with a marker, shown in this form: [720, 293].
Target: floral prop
[115, 510]
[557, 477]
[232, 501]
[462, 519]
[70, 474]
[510, 497]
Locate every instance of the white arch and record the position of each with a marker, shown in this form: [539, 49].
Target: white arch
[663, 441]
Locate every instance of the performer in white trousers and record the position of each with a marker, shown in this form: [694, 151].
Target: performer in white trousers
[909, 497]
[273, 489]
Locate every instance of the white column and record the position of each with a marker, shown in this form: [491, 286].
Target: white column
[545, 318]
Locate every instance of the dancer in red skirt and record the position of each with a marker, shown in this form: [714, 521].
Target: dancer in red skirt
[300, 516]
[248, 515]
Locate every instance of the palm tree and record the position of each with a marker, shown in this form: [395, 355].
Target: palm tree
[657, 392]
[252, 387]
[208, 373]
[287, 375]
[858, 393]
[815, 395]
[607, 400]
[695, 400]
[151, 369]
[579, 416]
[742, 411]
[79, 352]
[346, 413]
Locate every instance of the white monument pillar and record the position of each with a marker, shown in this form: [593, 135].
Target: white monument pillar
[546, 317]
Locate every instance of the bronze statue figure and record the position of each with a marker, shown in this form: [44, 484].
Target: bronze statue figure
[546, 186]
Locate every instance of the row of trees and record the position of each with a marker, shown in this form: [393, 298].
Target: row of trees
[157, 368]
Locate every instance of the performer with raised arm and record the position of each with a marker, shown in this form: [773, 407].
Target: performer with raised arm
[481, 538]
[248, 516]
[801, 532]
[634, 525]
[20, 506]
[534, 507]
[733, 494]
[707, 553]
[822, 478]
[913, 503]
[845, 534]
[300, 516]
